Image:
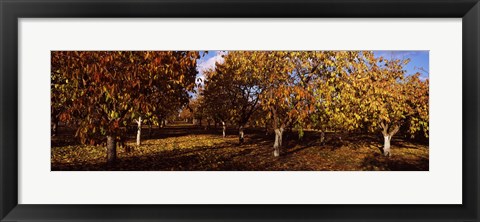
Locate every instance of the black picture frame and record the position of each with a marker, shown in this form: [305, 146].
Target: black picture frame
[11, 11]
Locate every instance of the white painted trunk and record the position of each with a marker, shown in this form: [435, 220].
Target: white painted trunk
[240, 134]
[111, 150]
[224, 128]
[139, 131]
[386, 145]
[54, 128]
[278, 142]
[322, 137]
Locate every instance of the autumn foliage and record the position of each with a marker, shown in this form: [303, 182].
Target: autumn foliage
[326, 90]
[101, 94]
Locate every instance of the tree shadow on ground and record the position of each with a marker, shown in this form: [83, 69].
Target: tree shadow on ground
[256, 154]
[65, 136]
[333, 141]
[379, 162]
[219, 157]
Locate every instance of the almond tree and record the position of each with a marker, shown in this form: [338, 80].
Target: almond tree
[197, 108]
[173, 77]
[112, 88]
[232, 89]
[217, 103]
[319, 74]
[378, 95]
[417, 92]
[285, 91]
[60, 99]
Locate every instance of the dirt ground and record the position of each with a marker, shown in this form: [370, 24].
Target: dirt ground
[190, 148]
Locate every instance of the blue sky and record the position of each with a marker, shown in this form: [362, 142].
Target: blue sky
[418, 60]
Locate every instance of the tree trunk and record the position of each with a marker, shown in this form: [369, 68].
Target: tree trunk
[224, 128]
[139, 131]
[149, 130]
[388, 136]
[240, 135]
[54, 124]
[111, 150]
[278, 141]
[54, 128]
[386, 145]
[322, 137]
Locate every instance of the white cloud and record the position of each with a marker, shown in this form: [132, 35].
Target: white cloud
[204, 65]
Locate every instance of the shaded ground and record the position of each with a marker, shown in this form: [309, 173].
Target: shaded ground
[185, 147]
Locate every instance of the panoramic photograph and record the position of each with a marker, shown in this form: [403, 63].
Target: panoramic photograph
[239, 110]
